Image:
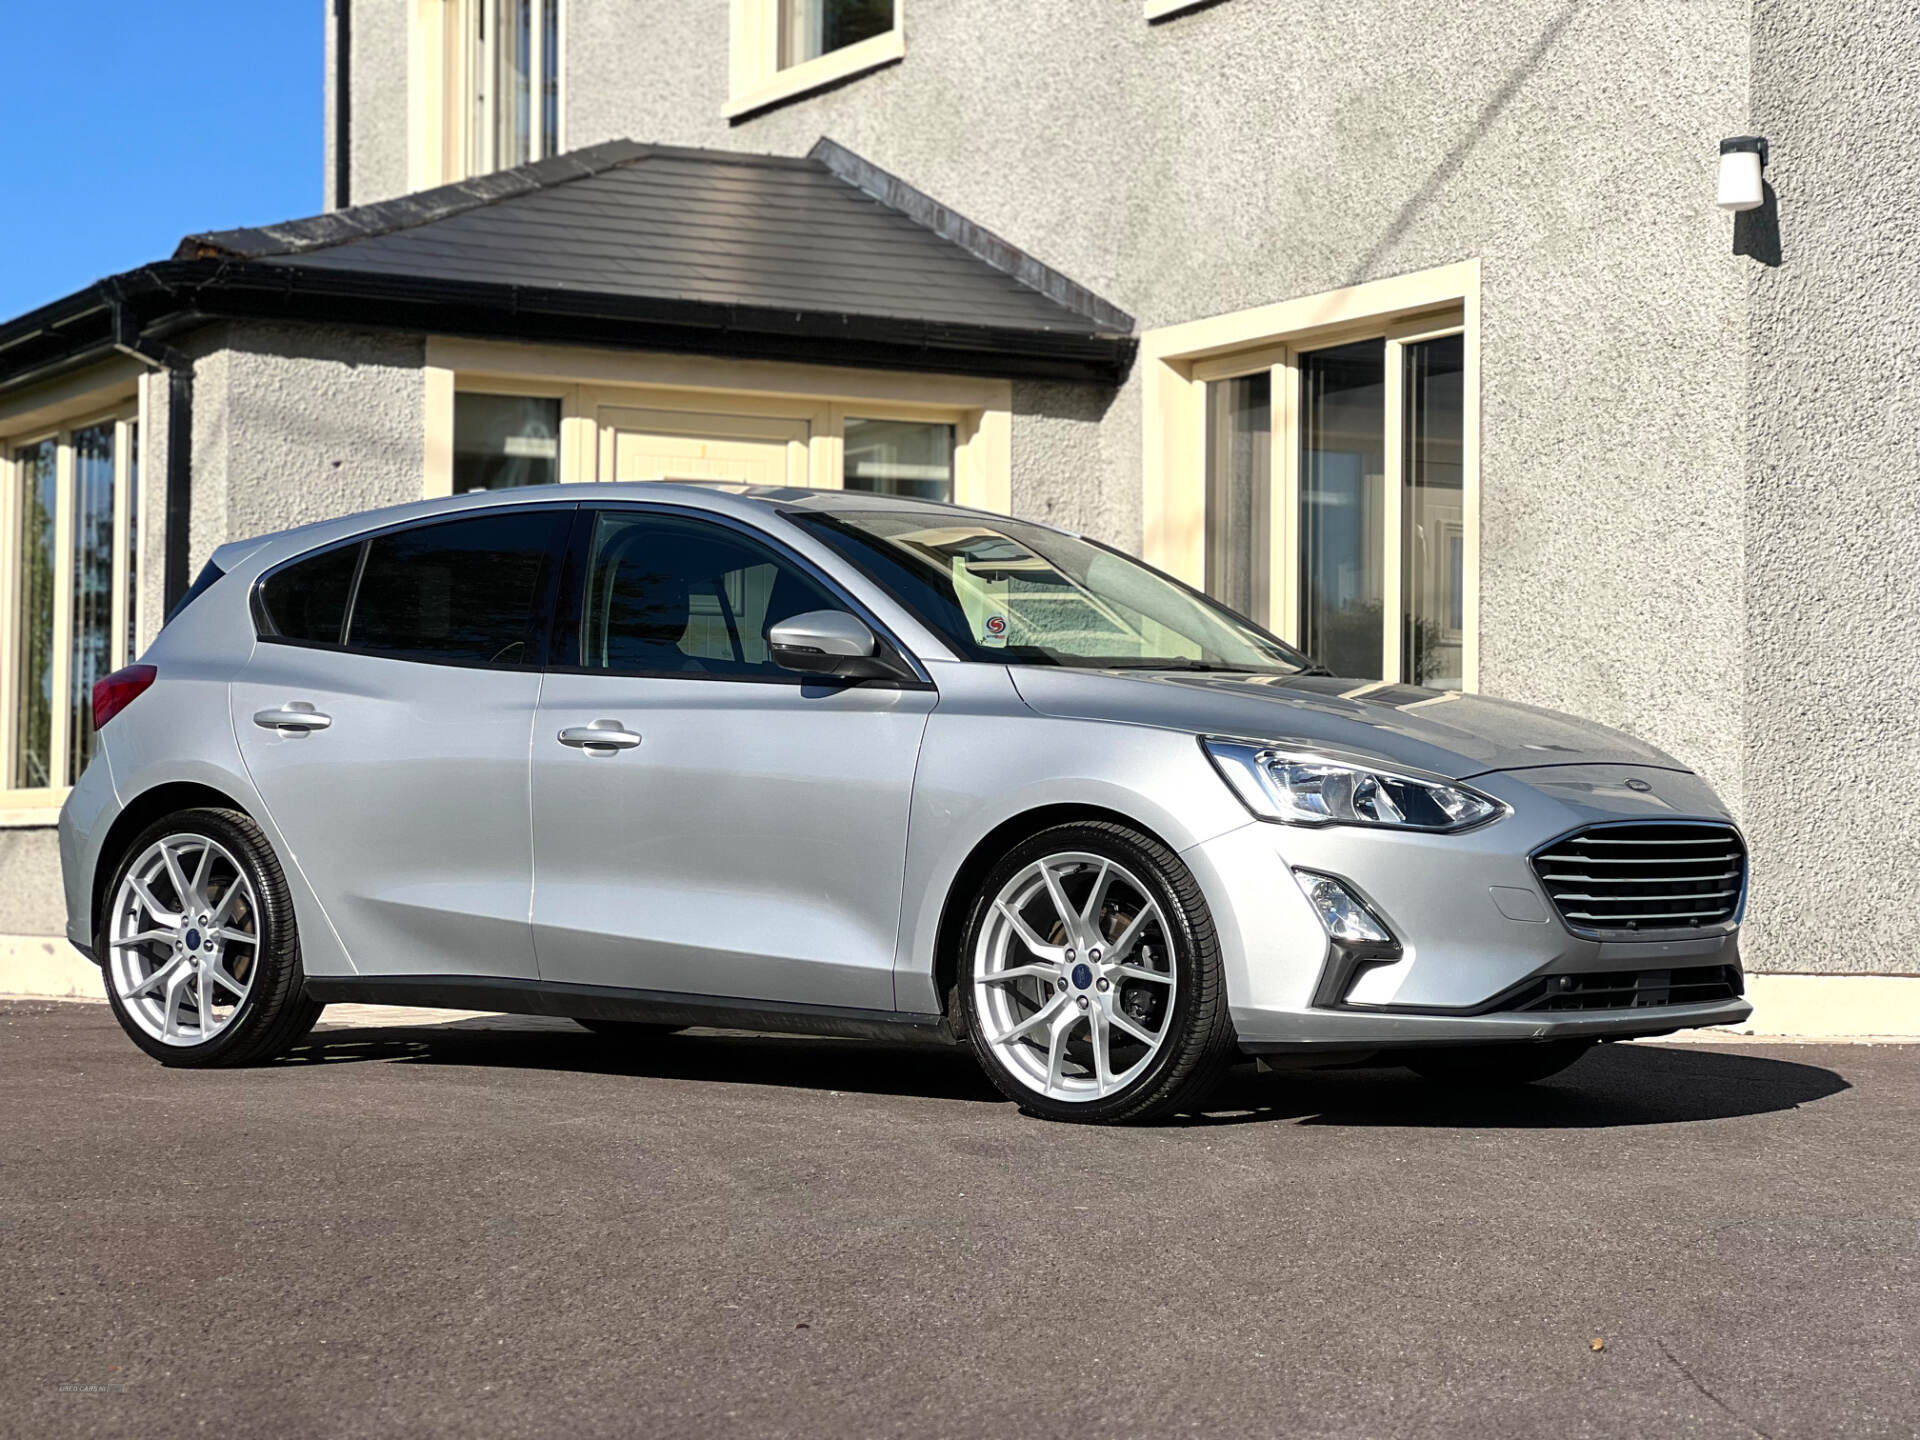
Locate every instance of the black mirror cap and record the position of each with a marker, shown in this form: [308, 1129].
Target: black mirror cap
[806, 660]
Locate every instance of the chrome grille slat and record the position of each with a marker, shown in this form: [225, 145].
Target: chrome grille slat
[1656, 875]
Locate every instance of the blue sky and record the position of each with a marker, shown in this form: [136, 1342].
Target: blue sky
[125, 124]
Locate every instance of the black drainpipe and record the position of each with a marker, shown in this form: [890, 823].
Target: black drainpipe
[179, 480]
[342, 103]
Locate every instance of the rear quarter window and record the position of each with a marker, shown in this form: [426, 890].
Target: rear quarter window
[307, 600]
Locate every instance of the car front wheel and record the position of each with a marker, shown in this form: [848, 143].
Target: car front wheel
[198, 943]
[1090, 983]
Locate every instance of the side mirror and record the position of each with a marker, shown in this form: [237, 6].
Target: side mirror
[827, 642]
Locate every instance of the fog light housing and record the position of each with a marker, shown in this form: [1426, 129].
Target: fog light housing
[1356, 935]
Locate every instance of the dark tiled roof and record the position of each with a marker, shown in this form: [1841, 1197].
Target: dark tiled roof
[824, 235]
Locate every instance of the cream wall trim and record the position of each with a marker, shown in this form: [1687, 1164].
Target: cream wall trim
[80, 396]
[47, 967]
[755, 79]
[431, 42]
[593, 383]
[1178, 361]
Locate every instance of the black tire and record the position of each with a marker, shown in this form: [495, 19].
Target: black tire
[1198, 1042]
[276, 1012]
[1497, 1066]
[627, 1029]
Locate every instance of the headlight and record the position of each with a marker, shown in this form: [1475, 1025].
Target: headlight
[1301, 788]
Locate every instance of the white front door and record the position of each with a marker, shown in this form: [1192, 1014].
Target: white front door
[638, 444]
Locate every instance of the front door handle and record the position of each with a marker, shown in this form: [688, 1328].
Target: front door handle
[600, 735]
[296, 716]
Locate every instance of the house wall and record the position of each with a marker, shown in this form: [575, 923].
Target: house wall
[1833, 482]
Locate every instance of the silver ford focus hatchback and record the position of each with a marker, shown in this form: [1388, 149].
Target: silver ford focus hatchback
[653, 756]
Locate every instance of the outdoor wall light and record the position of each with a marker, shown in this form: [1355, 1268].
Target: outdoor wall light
[1741, 160]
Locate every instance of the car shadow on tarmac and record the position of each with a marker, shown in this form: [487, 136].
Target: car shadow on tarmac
[1616, 1085]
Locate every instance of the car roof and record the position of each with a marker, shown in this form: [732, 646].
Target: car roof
[721, 497]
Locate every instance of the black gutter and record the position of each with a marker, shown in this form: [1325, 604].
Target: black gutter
[342, 104]
[175, 293]
[129, 339]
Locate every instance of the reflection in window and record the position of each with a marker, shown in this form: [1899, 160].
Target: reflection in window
[90, 650]
[1342, 503]
[1239, 484]
[812, 28]
[899, 457]
[35, 478]
[501, 442]
[1433, 518]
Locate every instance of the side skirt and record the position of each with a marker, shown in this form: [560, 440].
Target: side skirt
[608, 1002]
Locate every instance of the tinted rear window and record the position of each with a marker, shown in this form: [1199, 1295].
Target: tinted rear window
[308, 599]
[465, 591]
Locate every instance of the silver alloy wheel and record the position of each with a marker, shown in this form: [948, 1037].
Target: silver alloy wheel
[1073, 977]
[184, 941]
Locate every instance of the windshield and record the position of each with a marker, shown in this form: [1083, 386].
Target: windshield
[1019, 594]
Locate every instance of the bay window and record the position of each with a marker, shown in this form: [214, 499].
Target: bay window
[72, 593]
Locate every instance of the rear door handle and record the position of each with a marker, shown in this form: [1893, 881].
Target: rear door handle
[600, 735]
[296, 716]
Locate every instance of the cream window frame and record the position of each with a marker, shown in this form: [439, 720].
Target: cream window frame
[755, 78]
[588, 381]
[1161, 9]
[443, 60]
[37, 805]
[1179, 361]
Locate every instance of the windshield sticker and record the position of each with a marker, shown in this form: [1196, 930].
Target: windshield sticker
[994, 631]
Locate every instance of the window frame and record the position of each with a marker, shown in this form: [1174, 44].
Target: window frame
[127, 618]
[1180, 361]
[569, 612]
[755, 77]
[542, 630]
[443, 62]
[588, 383]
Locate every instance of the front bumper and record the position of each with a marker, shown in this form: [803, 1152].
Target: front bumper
[1477, 935]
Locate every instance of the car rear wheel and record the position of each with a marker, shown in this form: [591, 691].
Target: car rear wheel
[198, 944]
[1090, 982]
[1489, 1066]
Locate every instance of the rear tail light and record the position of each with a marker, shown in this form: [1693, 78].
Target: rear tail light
[119, 690]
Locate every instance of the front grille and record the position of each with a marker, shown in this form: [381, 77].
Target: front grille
[1634, 878]
[1631, 989]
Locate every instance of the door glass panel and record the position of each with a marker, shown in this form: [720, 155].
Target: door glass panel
[1239, 490]
[462, 591]
[1342, 506]
[90, 653]
[35, 474]
[811, 28]
[1432, 516]
[899, 457]
[502, 442]
[308, 600]
[678, 597]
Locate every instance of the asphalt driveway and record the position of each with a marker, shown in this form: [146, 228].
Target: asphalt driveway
[485, 1231]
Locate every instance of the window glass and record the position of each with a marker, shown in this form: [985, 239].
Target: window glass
[514, 65]
[308, 599]
[132, 560]
[1020, 594]
[1433, 518]
[899, 457]
[681, 597]
[1342, 506]
[1239, 488]
[462, 591]
[502, 442]
[36, 481]
[812, 28]
[90, 641]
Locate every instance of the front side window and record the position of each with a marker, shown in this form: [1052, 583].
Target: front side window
[671, 596]
[1018, 594]
[72, 614]
[466, 592]
[503, 442]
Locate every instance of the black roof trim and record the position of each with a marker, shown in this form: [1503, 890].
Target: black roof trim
[890, 190]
